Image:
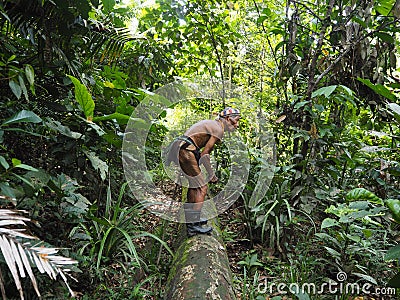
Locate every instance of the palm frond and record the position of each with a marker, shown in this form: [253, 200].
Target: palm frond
[109, 43]
[21, 250]
[27, 17]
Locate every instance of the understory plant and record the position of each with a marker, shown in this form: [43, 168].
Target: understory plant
[357, 236]
[113, 233]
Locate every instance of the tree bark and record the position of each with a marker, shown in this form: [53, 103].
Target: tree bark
[200, 269]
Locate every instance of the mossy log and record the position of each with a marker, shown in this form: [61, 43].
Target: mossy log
[200, 269]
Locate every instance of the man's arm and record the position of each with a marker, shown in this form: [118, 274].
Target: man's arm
[205, 158]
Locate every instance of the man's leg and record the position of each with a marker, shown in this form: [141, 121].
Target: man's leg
[197, 196]
[194, 223]
[196, 193]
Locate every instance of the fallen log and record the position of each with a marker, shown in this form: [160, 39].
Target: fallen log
[200, 269]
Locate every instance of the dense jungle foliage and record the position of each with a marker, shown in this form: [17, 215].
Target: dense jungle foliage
[326, 75]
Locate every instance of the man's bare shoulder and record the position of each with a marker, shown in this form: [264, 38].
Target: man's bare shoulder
[211, 127]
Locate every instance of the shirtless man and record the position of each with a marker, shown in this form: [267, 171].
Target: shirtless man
[187, 151]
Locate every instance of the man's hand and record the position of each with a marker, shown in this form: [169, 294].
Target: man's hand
[213, 179]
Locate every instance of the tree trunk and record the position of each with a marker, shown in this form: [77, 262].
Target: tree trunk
[200, 269]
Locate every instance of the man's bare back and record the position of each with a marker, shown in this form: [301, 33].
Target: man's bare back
[202, 131]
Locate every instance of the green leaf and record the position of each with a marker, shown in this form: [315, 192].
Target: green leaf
[121, 118]
[98, 164]
[30, 74]
[327, 238]
[24, 116]
[16, 89]
[23, 87]
[366, 277]
[354, 238]
[395, 281]
[329, 222]
[11, 58]
[394, 207]
[359, 205]
[108, 5]
[64, 130]
[4, 163]
[261, 19]
[359, 21]
[378, 88]
[363, 194]
[84, 98]
[24, 180]
[385, 37]
[325, 91]
[367, 233]
[97, 128]
[333, 252]
[10, 192]
[346, 89]
[15, 162]
[113, 139]
[362, 214]
[26, 167]
[393, 253]
[384, 7]
[266, 11]
[300, 104]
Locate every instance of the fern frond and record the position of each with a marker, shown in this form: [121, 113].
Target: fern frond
[19, 253]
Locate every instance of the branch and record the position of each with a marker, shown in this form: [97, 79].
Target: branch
[309, 9]
[311, 82]
[329, 68]
[269, 45]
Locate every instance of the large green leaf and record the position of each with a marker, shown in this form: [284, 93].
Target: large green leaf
[24, 116]
[379, 89]
[384, 7]
[363, 194]
[385, 37]
[393, 253]
[326, 91]
[15, 88]
[84, 98]
[329, 222]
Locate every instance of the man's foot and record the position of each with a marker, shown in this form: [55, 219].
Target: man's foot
[196, 228]
[203, 221]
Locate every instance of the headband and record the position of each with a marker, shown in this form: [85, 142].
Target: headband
[229, 112]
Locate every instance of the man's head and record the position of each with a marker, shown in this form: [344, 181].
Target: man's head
[232, 116]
